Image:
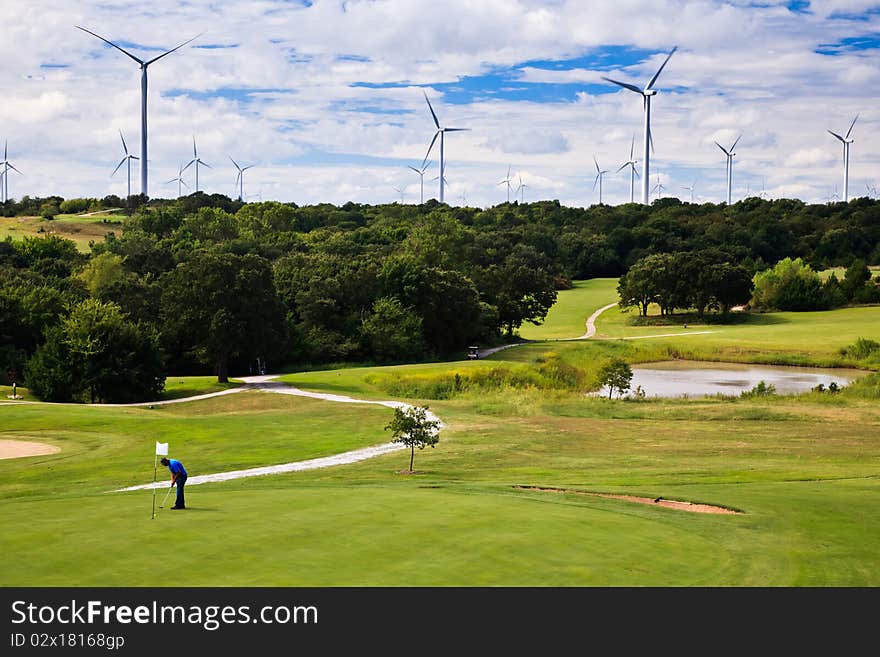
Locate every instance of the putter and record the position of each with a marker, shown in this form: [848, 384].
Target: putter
[162, 506]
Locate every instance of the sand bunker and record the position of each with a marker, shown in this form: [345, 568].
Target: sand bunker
[657, 501]
[16, 449]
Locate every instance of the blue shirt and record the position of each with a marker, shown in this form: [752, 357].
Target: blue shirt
[176, 467]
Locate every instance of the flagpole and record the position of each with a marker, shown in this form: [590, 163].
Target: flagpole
[155, 458]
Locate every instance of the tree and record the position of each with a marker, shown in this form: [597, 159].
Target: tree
[790, 285]
[616, 374]
[218, 307]
[412, 427]
[392, 331]
[856, 277]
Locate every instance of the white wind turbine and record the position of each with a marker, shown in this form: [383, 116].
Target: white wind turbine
[521, 189]
[646, 94]
[506, 181]
[239, 178]
[421, 175]
[846, 140]
[127, 161]
[7, 166]
[633, 174]
[690, 189]
[143, 64]
[197, 161]
[599, 175]
[399, 190]
[179, 180]
[659, 188]
[441, 132]
[728, 152]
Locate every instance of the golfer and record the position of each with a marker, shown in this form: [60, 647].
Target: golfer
[178, 478]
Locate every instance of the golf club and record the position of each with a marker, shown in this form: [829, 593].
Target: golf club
[162, 506]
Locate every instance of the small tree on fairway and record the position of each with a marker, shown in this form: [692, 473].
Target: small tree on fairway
[412, 427]
[616, 373]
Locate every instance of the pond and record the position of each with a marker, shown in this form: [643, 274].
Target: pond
[700, 379]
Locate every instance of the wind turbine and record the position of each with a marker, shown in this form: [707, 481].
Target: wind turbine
[834, 196]
[846, 141]
[520, 189]
[729, 153]
[399, 190]
[506, 181]
[633, 174]
[197, 161]
[599, 174]
[7, 165]
[127, 161]
[658, 187]
[691, 189]
[646, 94]
[239, 179]
[421, 174]
[179, 180]
[143, 65]
[441, 132]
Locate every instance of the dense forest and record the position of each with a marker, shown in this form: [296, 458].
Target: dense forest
[207, 284]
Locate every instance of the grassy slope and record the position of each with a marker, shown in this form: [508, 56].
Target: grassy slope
[81, 230]
[568, 317]
[177, 387]
[803, 469]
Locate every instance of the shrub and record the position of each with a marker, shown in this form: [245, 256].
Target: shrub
[861, 348]
[760, 390]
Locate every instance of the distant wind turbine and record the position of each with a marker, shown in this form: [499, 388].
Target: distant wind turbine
[521, 189]
[646, 94]
[659, 188]
[179, 180]
[599, 174]
[127, 161]
[239, 178]
[441, 132]
[399, 190]
[730, 154]
[7, 166]
[197, 161]
[690, 189]
[846, 140]
[421, 175]
[143, 65]
[506, 181]
[633, 174]
[834, 196]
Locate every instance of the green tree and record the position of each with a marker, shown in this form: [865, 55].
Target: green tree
[102, 271]
[789, 285]
[218, 307]
[392, 331]
[412, 427]
[856, 277]
[617, 375]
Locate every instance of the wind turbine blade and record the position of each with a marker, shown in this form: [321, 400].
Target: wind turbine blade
[596, 181]
[622, 167]
[431, 146]
[651, 138]
[183, 182]
[636, 171]
[187, 166]
[722, 148]
[838, 136]
[121, 162]
[195, 155]
[456, 129]
[234, 162]
[205, 164]
[508, 171]
[249, 166]
[851, 126]
[13, 168]
[631, 146]
[170, 181]
[124, 147]
[139, 61]
[134, 157]
[735, 143]
[597, 162]
[625, 85]
[414, 169]
[436, 122]
[657, 74]
[168, 52]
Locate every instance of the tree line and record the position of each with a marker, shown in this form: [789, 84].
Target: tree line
[206, 284]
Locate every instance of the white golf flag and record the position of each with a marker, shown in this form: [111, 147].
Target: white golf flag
[161, 449]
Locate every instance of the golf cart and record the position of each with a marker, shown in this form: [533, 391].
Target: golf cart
[473, 353]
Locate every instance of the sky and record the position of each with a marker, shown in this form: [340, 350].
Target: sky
[326, 99]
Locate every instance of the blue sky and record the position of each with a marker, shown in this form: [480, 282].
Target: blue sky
[326, 100]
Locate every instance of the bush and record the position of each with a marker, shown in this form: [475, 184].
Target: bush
[760, 390]
[861, 348]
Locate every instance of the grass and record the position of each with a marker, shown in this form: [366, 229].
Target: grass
[568, 316]
[80, 230]
[177, 387]
[803, 470]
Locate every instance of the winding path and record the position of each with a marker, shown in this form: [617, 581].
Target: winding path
[266, 384]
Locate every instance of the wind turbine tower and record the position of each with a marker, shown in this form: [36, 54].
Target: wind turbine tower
[730, 154]
[179, 180]
[599, 174]
[506, 181]
[143, 64]
[127, 161]
[846, 140]
[633, 174]
[239, 179]
[646, 94]
[197, 161]
[421, 174]
[441, 131]
[7, 165]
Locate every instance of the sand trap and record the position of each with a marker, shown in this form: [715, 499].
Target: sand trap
[16, 449]
[656, 501]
